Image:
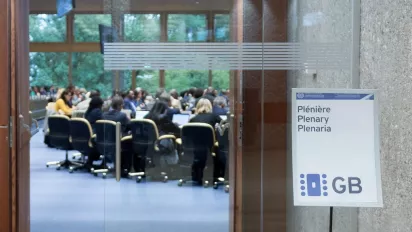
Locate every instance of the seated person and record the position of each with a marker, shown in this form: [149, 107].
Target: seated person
[158, 115]
[116, 115]
[219, 106]
[84, 105]
[165, 97]
[63, 103]
[128, 102]
[204, 113]
[94, 112]
[138, 100]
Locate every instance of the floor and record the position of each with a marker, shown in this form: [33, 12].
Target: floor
[80, 202]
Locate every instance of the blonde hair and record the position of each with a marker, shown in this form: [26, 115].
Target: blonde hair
[203, 106]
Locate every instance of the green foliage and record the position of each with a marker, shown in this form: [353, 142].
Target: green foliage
[88, 72]
[186, 28]
[86, 26]
[51, 68]
[185, 79]
[142, 27]
[48, 68]
[47, 28]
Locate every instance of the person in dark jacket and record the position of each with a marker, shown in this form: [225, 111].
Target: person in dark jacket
[116, 115]
[94, 112]
[219, 106]
[204, 113]
[158, 114]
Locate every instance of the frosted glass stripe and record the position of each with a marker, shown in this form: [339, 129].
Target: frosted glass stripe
[226, 56]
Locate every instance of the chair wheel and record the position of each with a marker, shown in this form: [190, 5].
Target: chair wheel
[94, 174]
[47, 165]
[104, 175]
[58, 168]
[138, 179]
[206, 184]
[71, 170]
[227, 188]
[180, 183]
[215, 185]
[165, 178]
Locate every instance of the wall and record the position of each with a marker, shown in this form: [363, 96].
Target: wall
[319, 21]
[386, 65]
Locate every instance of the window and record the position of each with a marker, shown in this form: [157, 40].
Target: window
[185, 79]
[86, 26]
[222, 28]
[145, 79]
[49, 68]
[88, 72]
[221, 79]
[186, 28]
[142, 27]
[47, 28]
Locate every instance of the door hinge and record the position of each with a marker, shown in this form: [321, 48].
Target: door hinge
[11, 131]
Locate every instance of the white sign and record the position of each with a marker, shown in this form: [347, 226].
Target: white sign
[335, 146]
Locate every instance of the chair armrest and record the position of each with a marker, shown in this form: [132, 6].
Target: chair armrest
[216, 144]
[129, 137]
[179, 141]
[93, 136]
[167, 137]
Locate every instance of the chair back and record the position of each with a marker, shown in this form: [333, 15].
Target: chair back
[106, 138]
[59, 131]
[144, 134]
[81, 134]
[198, 140]
[78, 113]
[198, 136]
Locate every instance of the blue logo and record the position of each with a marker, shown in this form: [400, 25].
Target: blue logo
[316, 185]
[300, 95]
[313, 185]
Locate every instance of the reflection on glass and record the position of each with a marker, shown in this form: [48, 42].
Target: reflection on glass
[221, 79]
[49, 68]
[222, 27]
[47, 28]
[88, 72]
[186, 28]
[86, 26]
[185, 79]
[142, 27]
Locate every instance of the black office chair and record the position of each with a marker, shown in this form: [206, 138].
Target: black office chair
[59, 137]
[220, 161]
[81, 137]
[148, 159]
[198, 140]
[106, 145]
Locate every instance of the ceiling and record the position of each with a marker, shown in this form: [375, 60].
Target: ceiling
[138, 5]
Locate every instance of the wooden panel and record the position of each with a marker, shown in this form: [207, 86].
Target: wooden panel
[275, 124]
[21, 113]
[5, 171]
[64, 47]
[252, 123]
